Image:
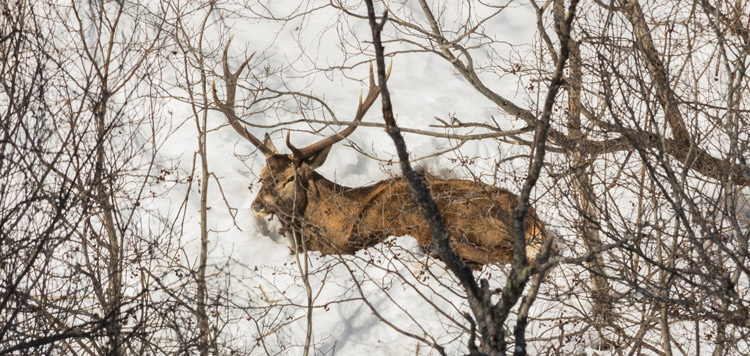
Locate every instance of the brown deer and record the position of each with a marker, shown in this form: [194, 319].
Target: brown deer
[327, 217]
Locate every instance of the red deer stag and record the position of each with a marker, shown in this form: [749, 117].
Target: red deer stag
[331, 218]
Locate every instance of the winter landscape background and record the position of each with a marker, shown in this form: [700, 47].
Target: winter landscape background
[107, 247]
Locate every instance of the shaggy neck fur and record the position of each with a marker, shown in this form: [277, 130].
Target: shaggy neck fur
[333, 212]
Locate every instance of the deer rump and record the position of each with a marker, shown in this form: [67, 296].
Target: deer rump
[344, 220]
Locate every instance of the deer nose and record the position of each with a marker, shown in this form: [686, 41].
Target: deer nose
[258, 206]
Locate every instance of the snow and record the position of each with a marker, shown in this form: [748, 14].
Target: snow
[381, 300]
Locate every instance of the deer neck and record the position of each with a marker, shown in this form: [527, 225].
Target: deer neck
[334, 210]
[333, 199]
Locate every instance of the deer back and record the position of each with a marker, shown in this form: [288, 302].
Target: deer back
[479, 217]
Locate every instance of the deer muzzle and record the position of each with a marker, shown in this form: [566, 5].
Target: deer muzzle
[259, 209]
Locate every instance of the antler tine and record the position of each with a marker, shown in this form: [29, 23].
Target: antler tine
[295, 151]
[372, 94]
[227, 106]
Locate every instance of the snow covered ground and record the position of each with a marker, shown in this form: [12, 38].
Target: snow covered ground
[391, 299]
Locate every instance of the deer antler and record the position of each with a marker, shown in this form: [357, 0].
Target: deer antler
[372, 94]
[227, 106]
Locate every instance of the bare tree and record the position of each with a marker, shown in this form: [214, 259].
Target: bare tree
[81, 136]
[39, 211]
[625, 126]
[659, 128]
[490, 316]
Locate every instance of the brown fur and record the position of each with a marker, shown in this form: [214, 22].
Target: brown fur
[335, 219]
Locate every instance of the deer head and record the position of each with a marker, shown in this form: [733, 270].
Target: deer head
[286, 177]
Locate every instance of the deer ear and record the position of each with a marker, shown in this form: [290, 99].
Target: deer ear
[318, 158]
[269, 143]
